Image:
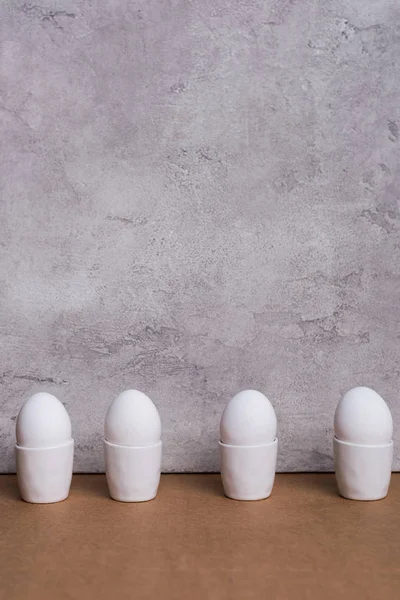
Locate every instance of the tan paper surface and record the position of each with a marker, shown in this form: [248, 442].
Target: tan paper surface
[305, 542]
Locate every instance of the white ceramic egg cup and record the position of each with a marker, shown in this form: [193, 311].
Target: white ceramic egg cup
[362, 472]
[44, 474]
[248, 472]
[133, 473]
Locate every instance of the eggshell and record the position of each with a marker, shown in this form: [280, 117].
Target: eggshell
[42, 422]
[363, 417]
[133, 420]
[248, 420]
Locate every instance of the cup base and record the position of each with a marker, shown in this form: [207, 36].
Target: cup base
[44, 474]
[248, 472]
[133, 473]
[362, 472]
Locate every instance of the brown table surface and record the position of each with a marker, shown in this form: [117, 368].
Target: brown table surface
[193, 543]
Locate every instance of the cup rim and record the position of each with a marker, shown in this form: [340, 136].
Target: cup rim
[336, 440]
[41, 448]
[112, 444]
[274, 442]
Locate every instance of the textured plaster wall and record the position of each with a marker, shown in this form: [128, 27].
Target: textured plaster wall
[199, 197]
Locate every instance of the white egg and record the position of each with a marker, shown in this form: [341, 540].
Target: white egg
[363, 417]
[248, 420]
[133, 420]
[42, 422]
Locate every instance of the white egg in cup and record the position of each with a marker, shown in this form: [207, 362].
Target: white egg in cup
[362, 445]
[44, 450]
[133, 447]
[248, 446]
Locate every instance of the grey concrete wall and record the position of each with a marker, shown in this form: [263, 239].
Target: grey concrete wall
[199, 197]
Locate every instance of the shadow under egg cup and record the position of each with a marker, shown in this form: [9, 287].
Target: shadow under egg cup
[133, 472]
[362, 472]
[248, 472]
[44, 474]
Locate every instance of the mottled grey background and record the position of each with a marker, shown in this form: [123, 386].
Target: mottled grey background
[199, 197]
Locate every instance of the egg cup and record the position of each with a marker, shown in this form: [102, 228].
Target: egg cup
[248, 472]
[362, 472]
[45, 474]
[133, 472]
